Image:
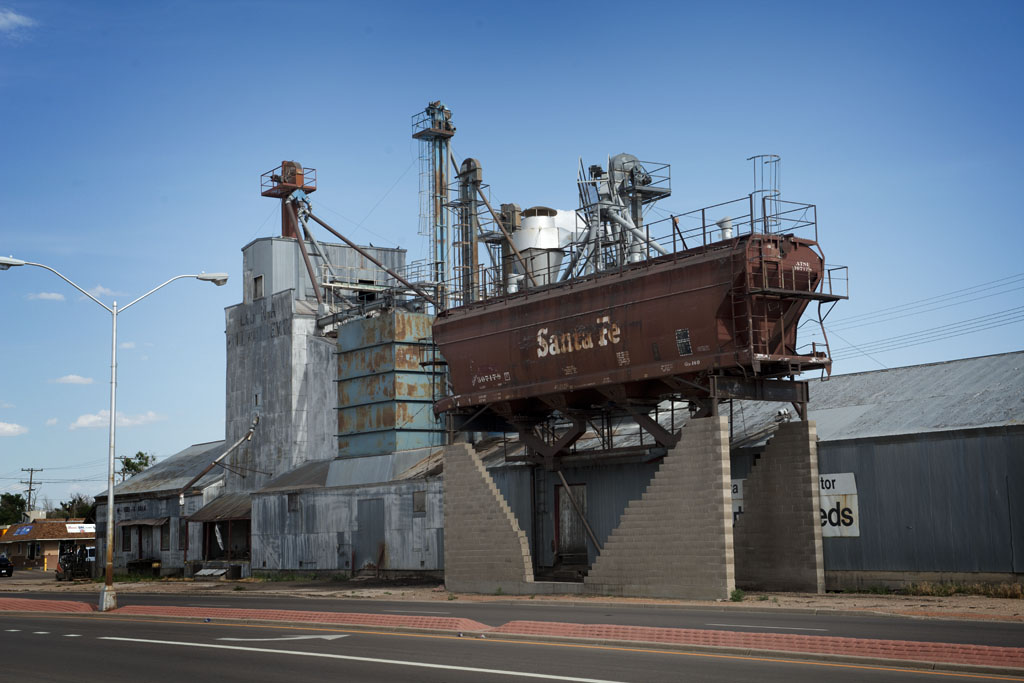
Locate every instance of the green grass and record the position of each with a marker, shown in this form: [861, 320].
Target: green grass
[737, 595]
[1013, 591]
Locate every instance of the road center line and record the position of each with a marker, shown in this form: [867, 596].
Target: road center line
[779, 628]
[371, 660]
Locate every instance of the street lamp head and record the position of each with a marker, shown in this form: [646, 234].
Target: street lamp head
[216, 278]
[8, 262]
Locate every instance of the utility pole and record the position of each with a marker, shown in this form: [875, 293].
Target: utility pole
[31, 474]
[121, 458]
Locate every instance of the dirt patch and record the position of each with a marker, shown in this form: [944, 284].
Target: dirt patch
[951, 607]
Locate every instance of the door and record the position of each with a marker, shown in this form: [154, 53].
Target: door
[570, 534]
[146, 541]
[368, 543]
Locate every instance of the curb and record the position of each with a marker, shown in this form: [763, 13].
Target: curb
[717, 607]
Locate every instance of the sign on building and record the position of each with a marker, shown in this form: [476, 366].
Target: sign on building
[737, 498]
[839, 513]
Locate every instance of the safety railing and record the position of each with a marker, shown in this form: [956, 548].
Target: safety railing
[710, 227]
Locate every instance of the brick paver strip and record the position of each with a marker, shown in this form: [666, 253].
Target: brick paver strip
[856, 647]
[340, 618]
[29, 605]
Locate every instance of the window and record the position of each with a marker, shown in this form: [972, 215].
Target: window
[293, 502]
[182, 532]
[126, 539]
[366, 297]
[165, 535]
[419, 503]
[257, 287]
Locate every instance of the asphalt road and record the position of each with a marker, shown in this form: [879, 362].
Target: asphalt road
[87, 648]
[1004, 634]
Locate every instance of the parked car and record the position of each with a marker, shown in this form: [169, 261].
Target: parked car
[6, 568]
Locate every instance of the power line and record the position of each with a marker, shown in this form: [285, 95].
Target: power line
[941, 329]
[900, 315]
[955, 294]
[979, 324]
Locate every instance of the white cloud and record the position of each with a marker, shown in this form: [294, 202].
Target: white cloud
[102, 419]
[52, 421]
[73, 379]
[127, 345]
[9, 429]
[100, 290]
[138, 420]
[5, 404]
[46, 296]
[11, 22]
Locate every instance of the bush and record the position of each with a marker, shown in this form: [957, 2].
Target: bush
[737, 595]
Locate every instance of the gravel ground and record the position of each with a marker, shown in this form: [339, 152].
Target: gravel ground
[957, 606]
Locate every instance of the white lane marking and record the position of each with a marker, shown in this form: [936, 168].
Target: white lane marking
[412, 611]
[41, 633]
[263, 640]
[371, 660]
[779, 628]
[13, 630]
[72, 635]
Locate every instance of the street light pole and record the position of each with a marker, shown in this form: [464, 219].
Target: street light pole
[108, 597]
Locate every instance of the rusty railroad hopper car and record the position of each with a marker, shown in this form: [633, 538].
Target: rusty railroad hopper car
[701, 323]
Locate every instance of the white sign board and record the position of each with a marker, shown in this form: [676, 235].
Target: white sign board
[839, 514]
[81, 528]
[737, 498]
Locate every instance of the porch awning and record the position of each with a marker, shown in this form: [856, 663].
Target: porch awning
[151, 521]
[229, 506]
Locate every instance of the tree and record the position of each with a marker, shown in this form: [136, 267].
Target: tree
[80, 505]
[12, 508]
[135, 464]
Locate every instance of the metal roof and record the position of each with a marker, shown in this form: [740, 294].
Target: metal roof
[170, 474]
[224, 507]
[969, 393]
[309, 475]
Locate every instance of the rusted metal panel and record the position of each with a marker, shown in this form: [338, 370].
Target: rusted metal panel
[383, 385]
[389, 415]
[374, 443]
[377, 388]
[396, 326]
[679, 315]
[382, 358]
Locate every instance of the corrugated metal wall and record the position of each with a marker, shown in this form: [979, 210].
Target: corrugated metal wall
[320, 529]
[948, 501]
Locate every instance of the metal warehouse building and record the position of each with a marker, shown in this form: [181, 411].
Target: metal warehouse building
[922, 471]
[921, 477]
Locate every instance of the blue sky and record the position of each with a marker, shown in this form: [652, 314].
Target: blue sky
[134, 135]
